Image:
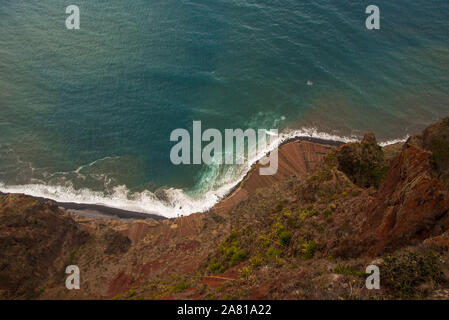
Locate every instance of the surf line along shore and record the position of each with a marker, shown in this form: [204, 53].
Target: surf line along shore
[98, 211]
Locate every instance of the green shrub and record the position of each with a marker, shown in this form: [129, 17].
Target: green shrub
[245, 272]
[180, 286]
[304, 214]
[256, 261]
[308, 250]
[238, 256]
[229, 252]
[440, 152]
[348, 271]
[131, 292]
[228, 255]
[284, 238]
[216, 266]
[286, 213]
[278, 227]
[405, 272]
[378, 175]
[273, 253]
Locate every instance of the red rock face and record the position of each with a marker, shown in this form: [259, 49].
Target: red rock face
[347, 218]
[137, 230]
[36, 241]
[120, 283]
[441, 241]
[435, 139]
[294, 158]
[408, 205]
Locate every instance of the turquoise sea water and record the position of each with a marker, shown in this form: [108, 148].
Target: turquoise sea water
[86, 115]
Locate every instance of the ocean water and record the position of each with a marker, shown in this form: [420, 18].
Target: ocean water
[86, 115]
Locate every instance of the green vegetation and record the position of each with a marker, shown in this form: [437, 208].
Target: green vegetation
[308, 250]
[378, 175]
[131, 292]
[284, 238]
[404, 272]
[273, 253]
[246, 272]
[320, 176]
[440, 152]
[41, 291]
[440, 156]
[256, 261]
[180, 286]
[363, 163]
[216, 266]
[304, 213]
[348, 271]
[289, 237]
[328, 211]
[72, 256]
[229, 254]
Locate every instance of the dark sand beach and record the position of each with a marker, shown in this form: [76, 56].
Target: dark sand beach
[98, 211]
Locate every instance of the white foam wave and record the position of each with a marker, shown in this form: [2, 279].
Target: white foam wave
[177, 201]
[394, 141]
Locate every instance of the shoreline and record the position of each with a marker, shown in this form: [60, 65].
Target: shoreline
[98, 211]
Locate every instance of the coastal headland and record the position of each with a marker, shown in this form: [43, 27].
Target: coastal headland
[308, 232]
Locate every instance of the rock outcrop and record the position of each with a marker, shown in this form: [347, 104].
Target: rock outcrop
[411, 204]
[307, 232]
[294, 159]
[435, 139]
[37, 241]
[362, 162]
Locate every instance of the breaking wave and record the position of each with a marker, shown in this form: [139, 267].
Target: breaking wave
[215, 183]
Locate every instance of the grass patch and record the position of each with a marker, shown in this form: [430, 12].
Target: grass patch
[308, 250]
[284, 238]
[256, 261]
[348, 271]
[246, 272]
[228, 255]
[131, 292]
[180, 286]
[273, 253]
[304, 214]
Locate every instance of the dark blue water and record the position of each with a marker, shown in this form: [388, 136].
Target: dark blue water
[86, 115]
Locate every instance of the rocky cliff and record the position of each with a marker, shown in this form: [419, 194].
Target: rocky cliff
[307, 232]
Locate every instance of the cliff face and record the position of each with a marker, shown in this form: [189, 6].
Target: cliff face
[294, 159]
[36, 241]
[307, 232]
[411, 205]
[364, 163]
[435, 139]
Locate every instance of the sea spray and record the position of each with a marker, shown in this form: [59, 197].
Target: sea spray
[215, 182]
